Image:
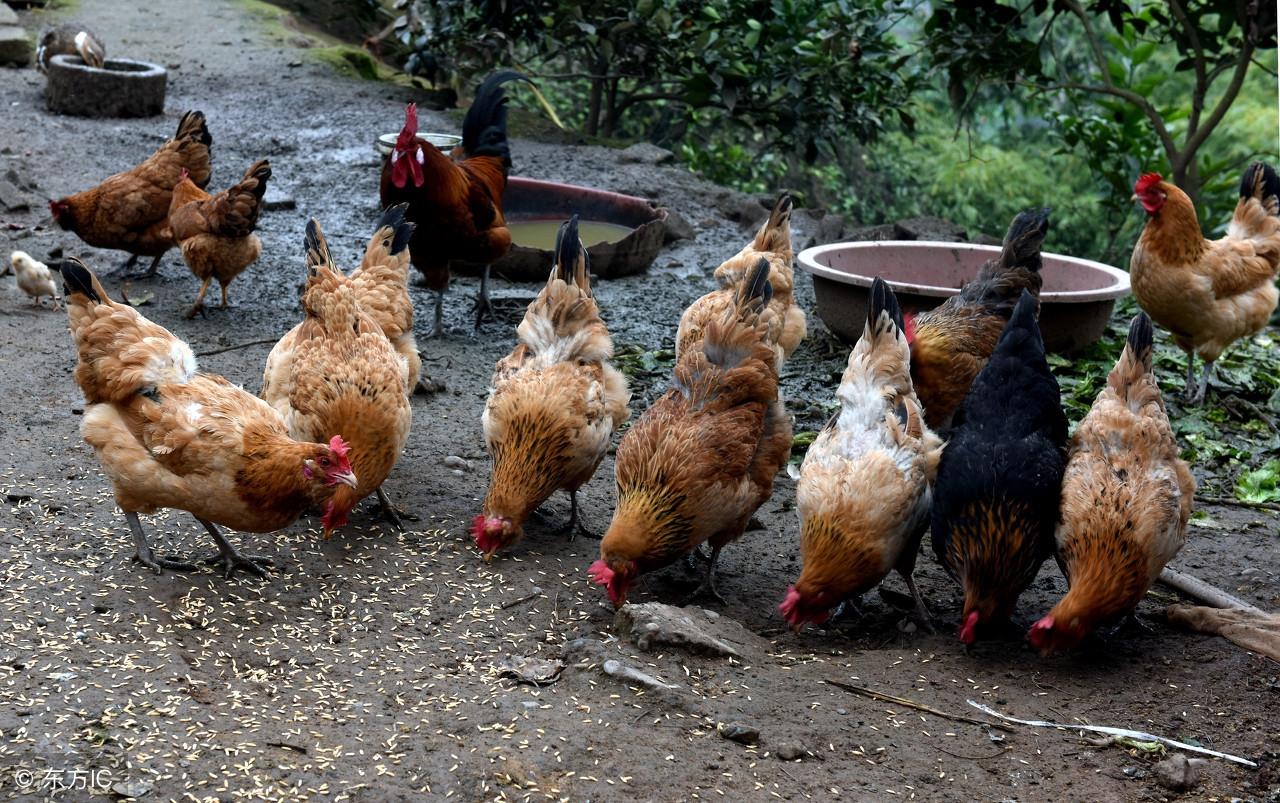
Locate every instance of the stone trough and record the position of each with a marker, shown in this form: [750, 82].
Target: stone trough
[121, 88]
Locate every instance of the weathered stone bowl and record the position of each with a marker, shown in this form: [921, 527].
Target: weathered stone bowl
[530, 199]
[1075, 303]
[121, 88]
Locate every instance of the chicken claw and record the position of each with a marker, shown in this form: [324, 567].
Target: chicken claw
[231, 559]
[389, 511]
[574, 526]
[482, 306]
[146, 557]
[708, 586]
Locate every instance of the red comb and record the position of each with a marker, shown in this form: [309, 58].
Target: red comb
[968, 633]
[1038, 632]
[789, 604]
[600, 573]
[477, 527]
[410, 120]
[909, 327]
[339, 446]
[1146, 181]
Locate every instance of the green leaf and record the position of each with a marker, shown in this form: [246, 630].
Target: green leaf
[1260, 485]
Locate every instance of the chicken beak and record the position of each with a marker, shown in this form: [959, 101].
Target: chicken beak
[346, 478]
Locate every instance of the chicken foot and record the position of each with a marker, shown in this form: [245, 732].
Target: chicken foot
[148, 273]
[199, 305]
[230, 558]
[437, 327]
[389, 511]
[574, 525]
[482, 306]
[146, 557]
[708, 585]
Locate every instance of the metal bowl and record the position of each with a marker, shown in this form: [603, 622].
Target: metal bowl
[445, 142]
[1075, 303]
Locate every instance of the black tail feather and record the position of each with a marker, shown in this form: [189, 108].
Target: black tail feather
[568, 247]
[1141, 337]
[484, 129]
[77, 279]
[393, 216]
[193, 123]
[757, 285]
[883, 300]
[1025, 238]
[317, 247]
[1259, 181]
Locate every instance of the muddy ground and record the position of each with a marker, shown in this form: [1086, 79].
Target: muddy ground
[365, 669]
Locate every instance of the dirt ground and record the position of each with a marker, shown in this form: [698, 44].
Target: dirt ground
[366, 668]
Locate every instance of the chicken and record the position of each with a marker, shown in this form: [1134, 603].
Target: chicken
[554, 404]
[382, 287]
[130, 211]
[772, 242]
[168, 436]
[702, 459]
[337, 375]
[864, 490]
[995, 501]
[951, 343]
[1126, 499]
[1208, 293]
[216, 232]
[34, 278]
[456, 203]
[70, 39]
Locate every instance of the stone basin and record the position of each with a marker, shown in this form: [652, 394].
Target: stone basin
[120, 88]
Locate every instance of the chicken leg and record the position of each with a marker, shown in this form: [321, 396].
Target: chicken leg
[708, 585]
[483, 307]
[230, 558]
[1204, 383]
[574, 525]
[146, 557]
[389, 511]
[437, 328]
[199, 305]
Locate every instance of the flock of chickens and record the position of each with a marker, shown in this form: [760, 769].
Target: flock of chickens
[949, 420]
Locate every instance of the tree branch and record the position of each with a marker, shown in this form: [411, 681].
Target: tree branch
[1197, 137]
[1202, 84]
[1157, 122]
[1095, 44]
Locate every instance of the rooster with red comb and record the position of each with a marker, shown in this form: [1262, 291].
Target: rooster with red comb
[455, 200]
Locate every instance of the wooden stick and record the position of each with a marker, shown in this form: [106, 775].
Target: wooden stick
[1231, 501]
[1201, 591]
[238, 346]
[889, 698]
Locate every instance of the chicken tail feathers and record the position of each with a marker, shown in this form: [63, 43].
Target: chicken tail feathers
[1024, 239]
[79, 284]
[775, 232]
[484, 129]
[756, 292]
[259, 171]
[572, 261]
[1260, 181]
[318, 256]
[192, 126]
[1139, 343]
[884, 309]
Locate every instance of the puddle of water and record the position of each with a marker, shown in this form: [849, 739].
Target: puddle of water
[542, 233]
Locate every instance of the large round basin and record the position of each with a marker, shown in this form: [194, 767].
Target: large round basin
[119, 88]
[1075, 303]
[640, 228]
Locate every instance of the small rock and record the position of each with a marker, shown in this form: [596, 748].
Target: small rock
[12, 198]
[15, 47]
[273, 200]
[873, 233]
[677, 228]
[628, 673]
[653, 625]
[55, 252]
[8, 16]
[457, 463]
[738, 732]
[790, 751]
[529, 669]
[530, 705]
[1177, 772]
[132, 788]
[645, 153]
[62, 677]
[749, 212]
[930, 228]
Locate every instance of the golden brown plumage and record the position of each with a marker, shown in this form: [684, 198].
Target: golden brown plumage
[170, 437]
[382, 286]
[1126, 499]
[130, 211]
[337, 374]
[216, 232]
[1208, 293]
[555, 402]
[864, 491]
[952, 342]
[772, 242]
[702, 459]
